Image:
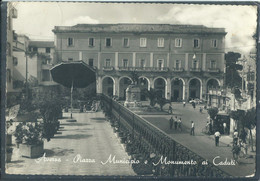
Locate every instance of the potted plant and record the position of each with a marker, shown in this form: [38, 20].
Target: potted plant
[19, 133]
[50, 112]
[32, 140]
[9, 151]
[9, 131]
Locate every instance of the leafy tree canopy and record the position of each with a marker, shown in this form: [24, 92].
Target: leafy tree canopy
[233, 78]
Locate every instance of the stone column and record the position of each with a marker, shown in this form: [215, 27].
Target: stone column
[186, 62]
[168, 60]
[223, 62]
[184, 96]
[204, 87]
[201, 89]
[151, 59]
[116, 87]
[99, 85]
[99, 62]
[187, 94]
[204, 62]
[151, 83]
[134, 59]
[116, 60]
[168, 89]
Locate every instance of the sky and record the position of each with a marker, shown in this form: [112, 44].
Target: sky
[37, 19]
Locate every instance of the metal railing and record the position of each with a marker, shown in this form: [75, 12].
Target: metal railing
[109, 68]
[177, 69]
[151, 139]
[195, 69]
[157, 69]
[213, 70]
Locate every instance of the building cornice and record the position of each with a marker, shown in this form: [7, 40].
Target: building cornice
[138, 29]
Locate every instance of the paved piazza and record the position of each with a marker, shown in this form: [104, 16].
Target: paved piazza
[202, 144]
[91, 137]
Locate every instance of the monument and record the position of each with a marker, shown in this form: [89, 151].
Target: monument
[133, 93]
[133, 96]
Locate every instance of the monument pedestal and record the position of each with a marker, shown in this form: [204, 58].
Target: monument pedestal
[133, 96]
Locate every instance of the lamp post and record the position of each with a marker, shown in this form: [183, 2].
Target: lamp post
[26, 73]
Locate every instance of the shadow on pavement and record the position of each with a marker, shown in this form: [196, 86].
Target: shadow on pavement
[74, 136]
[79, 130]
[57, 152]
[17, 161]
[99, 119]
[74, 124]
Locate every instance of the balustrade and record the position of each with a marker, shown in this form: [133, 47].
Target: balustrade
[213, 70]
[156, 69]
[195, 70]
[149, 139]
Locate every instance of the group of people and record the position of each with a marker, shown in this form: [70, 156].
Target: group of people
[94, 106]
[177, 123]
[239, 144]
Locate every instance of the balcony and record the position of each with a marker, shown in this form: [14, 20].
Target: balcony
[160, 69]
[195, 69]
[149, 69]
[177, 69]
[213, 70]
[126, 68]
[110, 68]
[18, 46]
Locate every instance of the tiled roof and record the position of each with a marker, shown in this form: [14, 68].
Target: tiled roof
[138, 28]
[41, 44]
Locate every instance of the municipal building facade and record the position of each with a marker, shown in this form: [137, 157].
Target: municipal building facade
[179, 61]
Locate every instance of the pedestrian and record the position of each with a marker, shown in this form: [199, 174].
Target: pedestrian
[179, 124]
[170, 109]
[235, 151]
[207, 127]
[244, 148]
[193, 105]
[243, 135]
[235, 137]
[200, 109]
[192, 128]
[184, 103]
[225, 128]
[171, 122]
[217, 136]
[175, 123]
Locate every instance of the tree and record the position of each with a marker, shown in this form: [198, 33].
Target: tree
[162, 101]
[236, 91]
[213, 112]
[232, 77]
[238, 116]
[151, 94]
[249, 121]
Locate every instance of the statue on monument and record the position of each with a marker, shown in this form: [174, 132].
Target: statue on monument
[133, 93]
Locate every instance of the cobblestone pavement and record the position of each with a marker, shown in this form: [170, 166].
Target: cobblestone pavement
[91, 137]
[202, 144]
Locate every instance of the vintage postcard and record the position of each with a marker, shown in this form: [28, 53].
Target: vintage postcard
[127, 90]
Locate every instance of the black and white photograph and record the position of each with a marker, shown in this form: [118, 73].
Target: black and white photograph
[157, 90]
